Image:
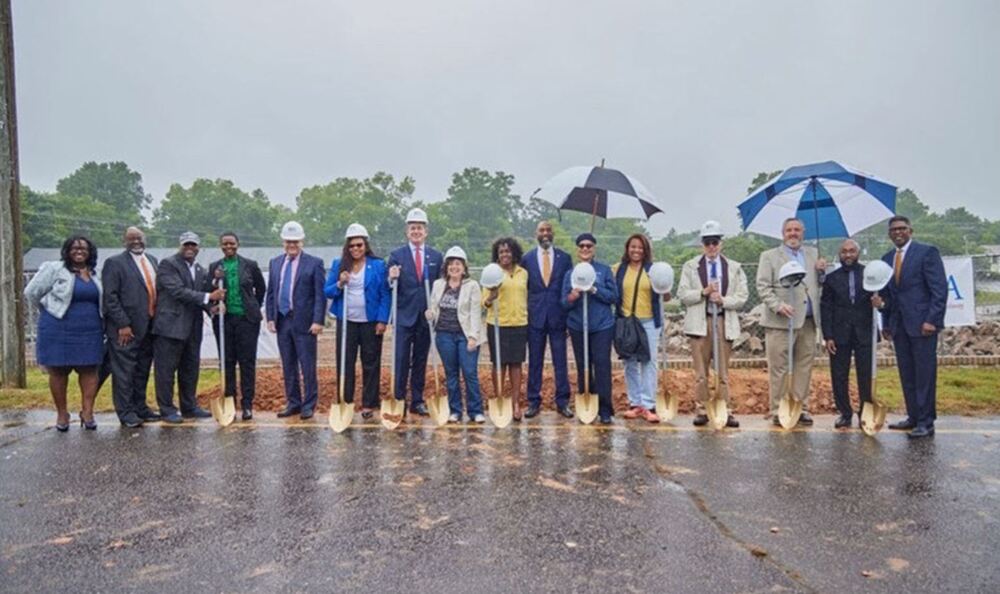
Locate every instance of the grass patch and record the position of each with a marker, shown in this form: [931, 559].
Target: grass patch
[37, 395]
[960, 390]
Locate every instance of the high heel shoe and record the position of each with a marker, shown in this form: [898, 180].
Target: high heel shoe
[62, 428]
[88, 425]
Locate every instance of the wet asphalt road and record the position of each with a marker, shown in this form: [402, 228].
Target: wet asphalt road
[549, 506]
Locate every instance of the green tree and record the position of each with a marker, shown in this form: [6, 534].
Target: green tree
[480, 207]
[113, 184]
[210, 207]
[47, 219]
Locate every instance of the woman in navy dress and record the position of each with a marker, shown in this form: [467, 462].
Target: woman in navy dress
[70, 333]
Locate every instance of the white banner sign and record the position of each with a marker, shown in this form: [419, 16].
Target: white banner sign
[961, 309]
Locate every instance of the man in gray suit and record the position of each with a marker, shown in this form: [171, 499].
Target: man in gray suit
[800, 303]
[129, 301]
[184, 293]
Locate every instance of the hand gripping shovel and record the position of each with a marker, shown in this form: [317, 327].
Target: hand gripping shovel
[586, 403]
[223, 407]
[715, 408]
[502, 406]
[392, 409]
[437, 405]
[789, 409]
[342, 413]
[873, 413]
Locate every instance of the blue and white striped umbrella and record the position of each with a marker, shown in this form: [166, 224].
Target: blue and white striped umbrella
[831, 199]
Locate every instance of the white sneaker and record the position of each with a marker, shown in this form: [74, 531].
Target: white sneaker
[454, 418]
[480, 418]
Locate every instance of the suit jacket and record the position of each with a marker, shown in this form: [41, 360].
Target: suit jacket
[180, 300]
[308, 300]
[252, 287]
[773, 294]
[922, 293]
[545, 303]
[843, 320]
[125, 299]
[733, 285]
[411, 298]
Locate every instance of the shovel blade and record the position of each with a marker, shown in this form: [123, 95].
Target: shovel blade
[501, 411]
[717, 412]
[439, 409]
[666, 405]
[223, 410]
[391, 412]
[341, 416]
[789, 411]
[872, 417]
[586, 407]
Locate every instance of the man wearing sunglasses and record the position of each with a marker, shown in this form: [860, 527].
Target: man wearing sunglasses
[711, 283]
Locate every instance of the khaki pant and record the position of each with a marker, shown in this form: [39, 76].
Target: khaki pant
[803, 354]
[701, 353]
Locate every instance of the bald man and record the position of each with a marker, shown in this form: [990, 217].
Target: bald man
[847, 329]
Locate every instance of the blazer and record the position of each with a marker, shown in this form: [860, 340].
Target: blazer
[180, 301]
[773, 294]
[734, 289]
[922, 293]
[52, 288]
[411, 297]
[657, 299]
[843, 320]
[378, 297]
[126, 299]
[600, 306]
[308, 300]
[545, 303]
[470, 314]
[252, 287]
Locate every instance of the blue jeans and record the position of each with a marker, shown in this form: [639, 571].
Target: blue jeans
[640, 378]
[456, 357]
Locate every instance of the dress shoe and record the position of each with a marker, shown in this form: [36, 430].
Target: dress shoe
[805, 420]
[844, 422]
[732, 423]
[306, 414]
[197, 413]
[566, 411]
[904, 425]
[700, 420]
[919, 432]
[367, 413]
[606, 419]
[532, 411]
[776, 421]
[420, 409]
[247, 414]
[173, 419]
[289, 412]
[131, 421]
[149, 416]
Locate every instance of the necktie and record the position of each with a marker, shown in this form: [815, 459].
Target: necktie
[713, 274]
[150, 287]
[546, 267]
[420, 265]
[285, 295]
[850, 282]
[898, 265]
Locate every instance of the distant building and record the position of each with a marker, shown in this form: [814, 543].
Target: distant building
[993, 253]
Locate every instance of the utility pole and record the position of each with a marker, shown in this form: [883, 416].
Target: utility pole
[12, 373]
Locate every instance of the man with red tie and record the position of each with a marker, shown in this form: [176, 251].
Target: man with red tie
[411, 266]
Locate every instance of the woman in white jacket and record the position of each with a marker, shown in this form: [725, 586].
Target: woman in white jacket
[455, 313]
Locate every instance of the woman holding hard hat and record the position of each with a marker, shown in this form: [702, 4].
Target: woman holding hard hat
[359, 277]
[512, 300]
[599, 284]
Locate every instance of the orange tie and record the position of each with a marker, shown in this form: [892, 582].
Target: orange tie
[546, 267]
[898, 265]
[150, 288]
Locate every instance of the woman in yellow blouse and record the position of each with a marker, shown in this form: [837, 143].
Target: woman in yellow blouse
[512, 298]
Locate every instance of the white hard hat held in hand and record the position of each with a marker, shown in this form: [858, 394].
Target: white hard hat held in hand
[661, 277]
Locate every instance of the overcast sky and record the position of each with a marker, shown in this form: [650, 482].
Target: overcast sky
[691, 98]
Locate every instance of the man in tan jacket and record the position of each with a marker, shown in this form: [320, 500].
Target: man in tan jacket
[801, 303]
[708, 282]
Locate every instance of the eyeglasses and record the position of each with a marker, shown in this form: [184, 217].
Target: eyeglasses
[710, 242]
[898, 229]
[585, 246]
[355, 246]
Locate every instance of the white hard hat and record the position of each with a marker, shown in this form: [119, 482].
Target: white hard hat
[583, 276]
[877, 276]
[293, 231]
[791, 274]
[416, 215]
[455, 252]
[492, 276]
[356, 230]
[711, 229]
[661, 277]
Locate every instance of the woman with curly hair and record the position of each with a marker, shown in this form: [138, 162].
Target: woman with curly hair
[512, 299]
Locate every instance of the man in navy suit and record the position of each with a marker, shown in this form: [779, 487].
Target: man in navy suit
[913, 305]
[413, 266]
[296, 310]
[546, 268]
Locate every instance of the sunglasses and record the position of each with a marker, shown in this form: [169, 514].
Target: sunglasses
[585, 246]
[710, 242]
[355, 246]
